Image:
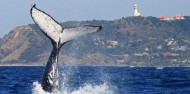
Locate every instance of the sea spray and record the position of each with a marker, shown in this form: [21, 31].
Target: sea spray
[37, 89]
[89, 89]
[73, 82]
[68, 74]
[86, 89]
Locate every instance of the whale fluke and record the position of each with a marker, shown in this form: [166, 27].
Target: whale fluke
[54, 31]
[58, 36]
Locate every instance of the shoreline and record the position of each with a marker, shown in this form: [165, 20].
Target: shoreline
[15, 65]
[20, 65]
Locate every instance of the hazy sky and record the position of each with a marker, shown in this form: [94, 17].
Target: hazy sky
[17, 12]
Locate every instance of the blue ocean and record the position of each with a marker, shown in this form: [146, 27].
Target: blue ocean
[99, 80]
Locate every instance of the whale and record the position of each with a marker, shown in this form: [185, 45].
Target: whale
[59, 36]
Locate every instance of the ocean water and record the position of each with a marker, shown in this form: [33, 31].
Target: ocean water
[99, 80]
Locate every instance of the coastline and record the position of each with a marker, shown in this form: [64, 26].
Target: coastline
[34, 65]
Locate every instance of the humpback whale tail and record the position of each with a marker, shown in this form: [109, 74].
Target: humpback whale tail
[58, 36]
[55, 32]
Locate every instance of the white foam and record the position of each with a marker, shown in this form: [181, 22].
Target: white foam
[86, 89]
[159, 68]
[89, 89]
[37, 89]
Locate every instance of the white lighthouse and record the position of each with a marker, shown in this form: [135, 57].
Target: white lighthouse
[136, 13]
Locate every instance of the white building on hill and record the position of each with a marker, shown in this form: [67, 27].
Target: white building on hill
[136, 13]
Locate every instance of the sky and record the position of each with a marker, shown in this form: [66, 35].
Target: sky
[17, 12]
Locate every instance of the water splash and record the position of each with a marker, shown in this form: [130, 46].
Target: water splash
[89, 89]
[86, 89]
[37, 89]
[71, 77]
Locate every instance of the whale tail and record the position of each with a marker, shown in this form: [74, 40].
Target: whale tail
[58, 36]
[55, 32]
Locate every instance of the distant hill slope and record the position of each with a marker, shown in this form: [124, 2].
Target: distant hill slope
[130, 41]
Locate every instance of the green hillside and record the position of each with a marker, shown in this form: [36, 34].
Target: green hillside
[130, 41]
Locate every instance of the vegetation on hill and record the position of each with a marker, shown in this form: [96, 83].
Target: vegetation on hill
[130, 41]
